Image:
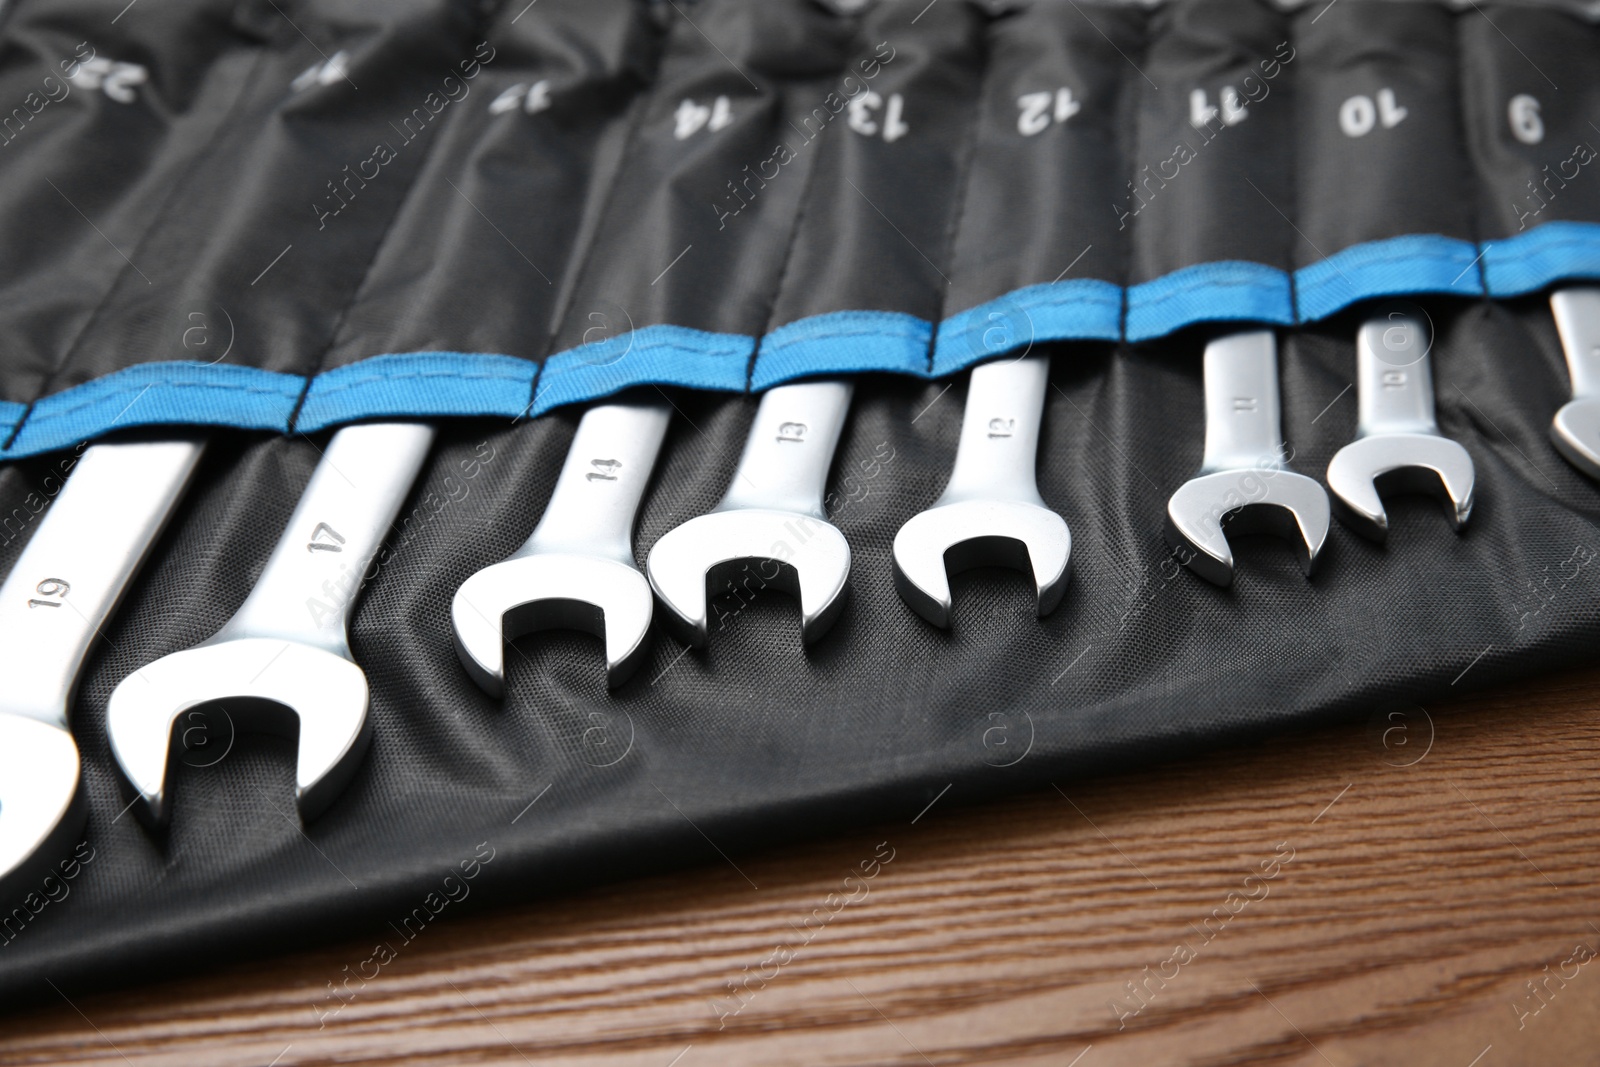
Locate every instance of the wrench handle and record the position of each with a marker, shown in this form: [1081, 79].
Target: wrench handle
[74, 570]
[999, 447]
[790, 448]
[317, 567]
[1577, 315]
[1243, 422]
[602, 481]
[1394, 377]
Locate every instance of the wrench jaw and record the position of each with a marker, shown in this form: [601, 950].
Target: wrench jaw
[42, 806]
[1278, 502]
[1399, 463]
[293, 689]
[950, 538]
[799, 554]
[1576, 434]
[551, 591]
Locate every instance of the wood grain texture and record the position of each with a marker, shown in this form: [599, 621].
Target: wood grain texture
[1412, 877]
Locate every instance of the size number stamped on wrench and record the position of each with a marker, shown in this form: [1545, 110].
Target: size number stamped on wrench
[316, 545]
[605, 470]
[50, 587]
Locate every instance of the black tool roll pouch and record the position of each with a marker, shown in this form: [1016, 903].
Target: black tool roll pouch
[274, 219]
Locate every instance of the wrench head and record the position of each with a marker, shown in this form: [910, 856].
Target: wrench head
[1399, 463]
[263, 683]
[545, 591]
[797, 553]
[1279, 502]
[949, 538]
[1576, 434]
[41, 804]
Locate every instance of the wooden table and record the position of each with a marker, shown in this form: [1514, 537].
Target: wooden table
[1415, 890]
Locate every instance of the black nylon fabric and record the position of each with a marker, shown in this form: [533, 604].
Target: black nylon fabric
[875, 172]
[320, 183]
[757, 740]
[700, 136]
[215, 181]
[450, 279]
[1049, 204]
[113, 159]
[1403, 143]
[492, 232]
[277, 160]
[1220, 200]
[1528, 179]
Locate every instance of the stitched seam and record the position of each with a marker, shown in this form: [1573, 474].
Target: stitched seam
[1129, 157]
[908, 334]
[1034, 300]
[969, 151]
[1464, 138]
[414, 376]
[1292, 172]
[113, 396]
[533, 387]
[1524, 248]
[1359, 254]
[725, 349]
[1190, 288]
[1543, 247]
[1316, 279]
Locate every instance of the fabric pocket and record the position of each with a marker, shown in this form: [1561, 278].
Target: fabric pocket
[868, 270]
[462, 298]
[103, 117]
[270, 231]
[1042, 249]
[1209, 207]
[679, 279]
[1533, 103]
[1385, 184]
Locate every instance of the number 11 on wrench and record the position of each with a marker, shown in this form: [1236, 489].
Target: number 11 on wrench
[1243, 476]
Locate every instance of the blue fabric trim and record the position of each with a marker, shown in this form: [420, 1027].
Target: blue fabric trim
[153, 394]
[1401, 265]
[655, 355]
[843, 342]
[11, 413]
[1547, 253]
[422, 384]
[1210, 292]
[418, 384]
[1079, 310]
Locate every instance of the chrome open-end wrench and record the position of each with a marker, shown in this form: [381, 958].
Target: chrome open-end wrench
[991, 513]
[1398, 447]
[1243, 473]
[1576, 429]
[283, 661]
[577, 570]
[64, 587]
[772, 513]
